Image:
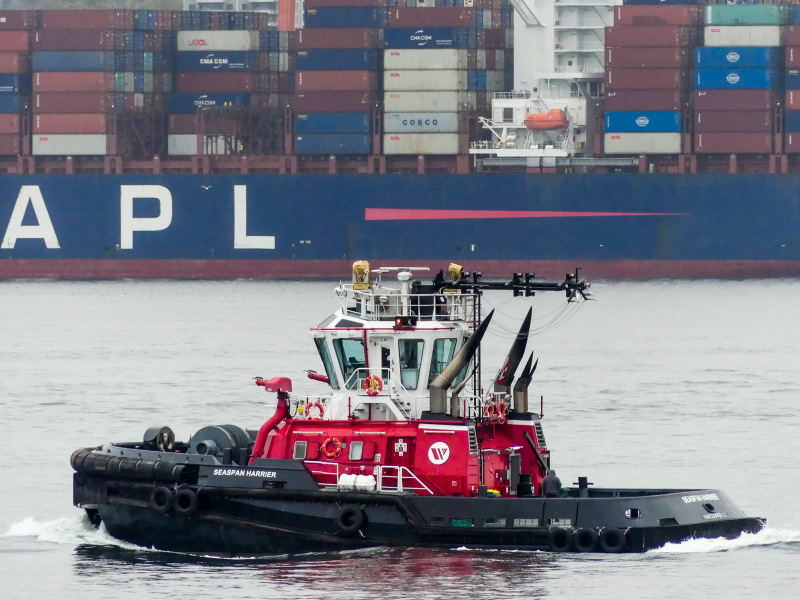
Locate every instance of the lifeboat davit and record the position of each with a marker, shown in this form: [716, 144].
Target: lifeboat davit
[554, 119]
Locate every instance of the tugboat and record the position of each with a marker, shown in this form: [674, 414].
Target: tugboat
[405, 448]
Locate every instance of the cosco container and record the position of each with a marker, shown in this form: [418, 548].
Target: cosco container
[347, 16]
[333, 143]
[13, 83]
[359, 122]
[660, 15]
[642, 121]
[186, 145]
[49, 60]
[720, 121]
[438, 16]
[182, 104]
[9, 103]
[648, 58]
[217, 62]
[422, 122]
[444, 58]
[320, 39]
[421, 143]
[729, 79]
[733, 99]
[741, 57]
[340, 81]
[69, 123]
[68, 144]
[429, 38]
[425, 80]
[76, 102]
[205, 41]
[747, 14]
[766, 35]
[645, 79]
[733, 143]
[657, 100]
[651, 36]
[429, 101]
[348, 59]
[642, 143]
[333, 101]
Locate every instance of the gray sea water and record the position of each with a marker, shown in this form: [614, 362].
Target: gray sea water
[686, 384]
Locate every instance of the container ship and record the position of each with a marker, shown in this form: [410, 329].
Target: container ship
[644, 139]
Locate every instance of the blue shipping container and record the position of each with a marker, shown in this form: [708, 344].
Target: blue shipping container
[793, 79]
[644, 121]
[791, 120]
[336, 60]
[333, 143]
[15, 84]
[739, 57]
[435, 37]
[187, 104]
[9, 104]
[74, 61]
[333, 123]
[198, 62]
[335, 17]
[736, 79]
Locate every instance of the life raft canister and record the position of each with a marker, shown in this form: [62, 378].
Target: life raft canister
[373, 385]
[331, 448]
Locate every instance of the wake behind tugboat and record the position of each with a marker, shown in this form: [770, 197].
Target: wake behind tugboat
[405, 449]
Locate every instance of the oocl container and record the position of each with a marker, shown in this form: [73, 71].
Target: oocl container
[78, 144]
[766, 35]
[643, 121]
[642, 143]
[743, 79]
[204, 41]
[733, 143]
[741, 57]
[422, 122]
[425, 80]
[421, 143]
[444, 58]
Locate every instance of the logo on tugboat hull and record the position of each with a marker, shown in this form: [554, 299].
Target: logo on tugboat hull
[438, 453]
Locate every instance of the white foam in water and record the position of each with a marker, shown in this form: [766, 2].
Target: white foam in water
[765, 537]
[67, 530]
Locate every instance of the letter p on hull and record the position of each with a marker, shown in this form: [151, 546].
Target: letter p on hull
[129, 223]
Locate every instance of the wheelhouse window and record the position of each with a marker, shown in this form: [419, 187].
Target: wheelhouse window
[325, 355]
[350, 353]
[443, 351]
[410, 362]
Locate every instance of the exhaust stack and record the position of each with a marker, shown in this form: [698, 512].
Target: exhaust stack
[504, 377]
[521, 387]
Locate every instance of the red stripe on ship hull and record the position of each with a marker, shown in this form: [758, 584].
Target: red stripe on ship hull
[335, 269]
[423, 214]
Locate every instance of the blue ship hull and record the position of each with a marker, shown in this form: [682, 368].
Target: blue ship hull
[612, 225]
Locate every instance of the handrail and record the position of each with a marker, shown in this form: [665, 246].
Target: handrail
[390, 478]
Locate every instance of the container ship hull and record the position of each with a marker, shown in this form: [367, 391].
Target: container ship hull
[223, 226]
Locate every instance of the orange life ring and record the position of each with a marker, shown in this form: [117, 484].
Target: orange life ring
[373, 385]
[331, 448]
[489, 410]
[308, 408]
[502, 409]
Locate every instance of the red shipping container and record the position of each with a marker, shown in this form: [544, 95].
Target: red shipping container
[9, 144]
[344, 3]
[75, 81]
[72, 103]
[85, 39]
[648, 58]
[655, 100]
[634, 36]
[733, 143]
[17, 19]
[733, 99]
[286, 10]
[14, 62]
[9, 124]
[792, 145]
[313, 39]
[87, 19]
[731, 121]
[646, 79]
[434, 16]
[14, 41]
[235, 82]
[792, 35]
[69, 123]
[491, 38]
[279, 103]
[792, 57]
[335, 81]
[275, 82]
[333, 102]
[674, 14]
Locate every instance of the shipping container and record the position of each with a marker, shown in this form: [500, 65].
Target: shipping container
[792, 57]
[429, 101]
[10, 103]
[792, 35]
[333, 122]
[87, 60]
[346, 17]
[643, 121]
[336, 3]
[17, 19]
[720, 121]
[321, 39]
[656, 100]
[337, 60]
[236, 82]
[733, 143]
[747, 14]
[217, 62]
[628, 36]
[646, 79]
[792, 100]
[792, 79]
[766, 35]
[79, 39]
[9, 123]
[77, 144]
[426, 80]
[657, 15]
[730, 79]
[429, 38]
[14, 83]
[663, 2]
[444, 58]
[648, 58]
[14, 62]
[741, 57]
[183, 104]
[333, 101]
[791, 121]
[187, 124]
[14, 41]
[9, 144]
[422, 122]
[338, 81]
[733, 99]
[642, 143]
[438, 16]
[76, 102]
[421, 143]
[333, 143]
[69, 123]
[206, 41]
[87, 19]
[212, 145]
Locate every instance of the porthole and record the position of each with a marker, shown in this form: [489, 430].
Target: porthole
[633, 513]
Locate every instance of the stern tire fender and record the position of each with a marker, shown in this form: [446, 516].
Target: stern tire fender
[185, 502]
[612, 540]
[161, 499]
[560, 539]
[585, 540]
[350, 520]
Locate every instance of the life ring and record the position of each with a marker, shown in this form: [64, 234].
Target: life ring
[560, 539]
[612, 540]
[373, 385]
[308, 407]
[184, 503]
[502, 409]
[161, 499]
[585, 540]
[489, 410]
[350, 520]
[331, 448]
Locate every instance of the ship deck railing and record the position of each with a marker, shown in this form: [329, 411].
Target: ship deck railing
[385, 304]
[388, 478]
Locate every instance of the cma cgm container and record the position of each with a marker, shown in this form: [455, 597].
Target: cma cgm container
[189, 103]
[221, 61]
[438, 59]
[721, 121]
[429, 38]
[631, 100]
[739, 143]
[642, 143]
[733, 99]
[359, 122]
[204, 41]
[421, 143]
[333, 143]
[648, 58]
[742, 79]
[347, 59]
[766, 35]
[741, 57]
[644, 121]
[421, 122]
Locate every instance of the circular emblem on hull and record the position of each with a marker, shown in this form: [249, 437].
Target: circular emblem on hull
[438, 453]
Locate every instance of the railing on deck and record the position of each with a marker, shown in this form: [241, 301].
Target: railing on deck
[389, 478]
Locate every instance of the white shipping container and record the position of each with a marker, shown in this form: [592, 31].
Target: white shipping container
[428, 101]
[424, 80]
[421, 143]
[205, 41]
[743, 35]
[495, 81]
[445, 58]
[642, 143]
[481, 58]
[421, 122]
[186, 145]
[70, 144]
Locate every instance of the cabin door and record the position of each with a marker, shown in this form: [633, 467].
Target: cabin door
[381, 356]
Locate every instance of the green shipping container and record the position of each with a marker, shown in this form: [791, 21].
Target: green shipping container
[748, 14]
